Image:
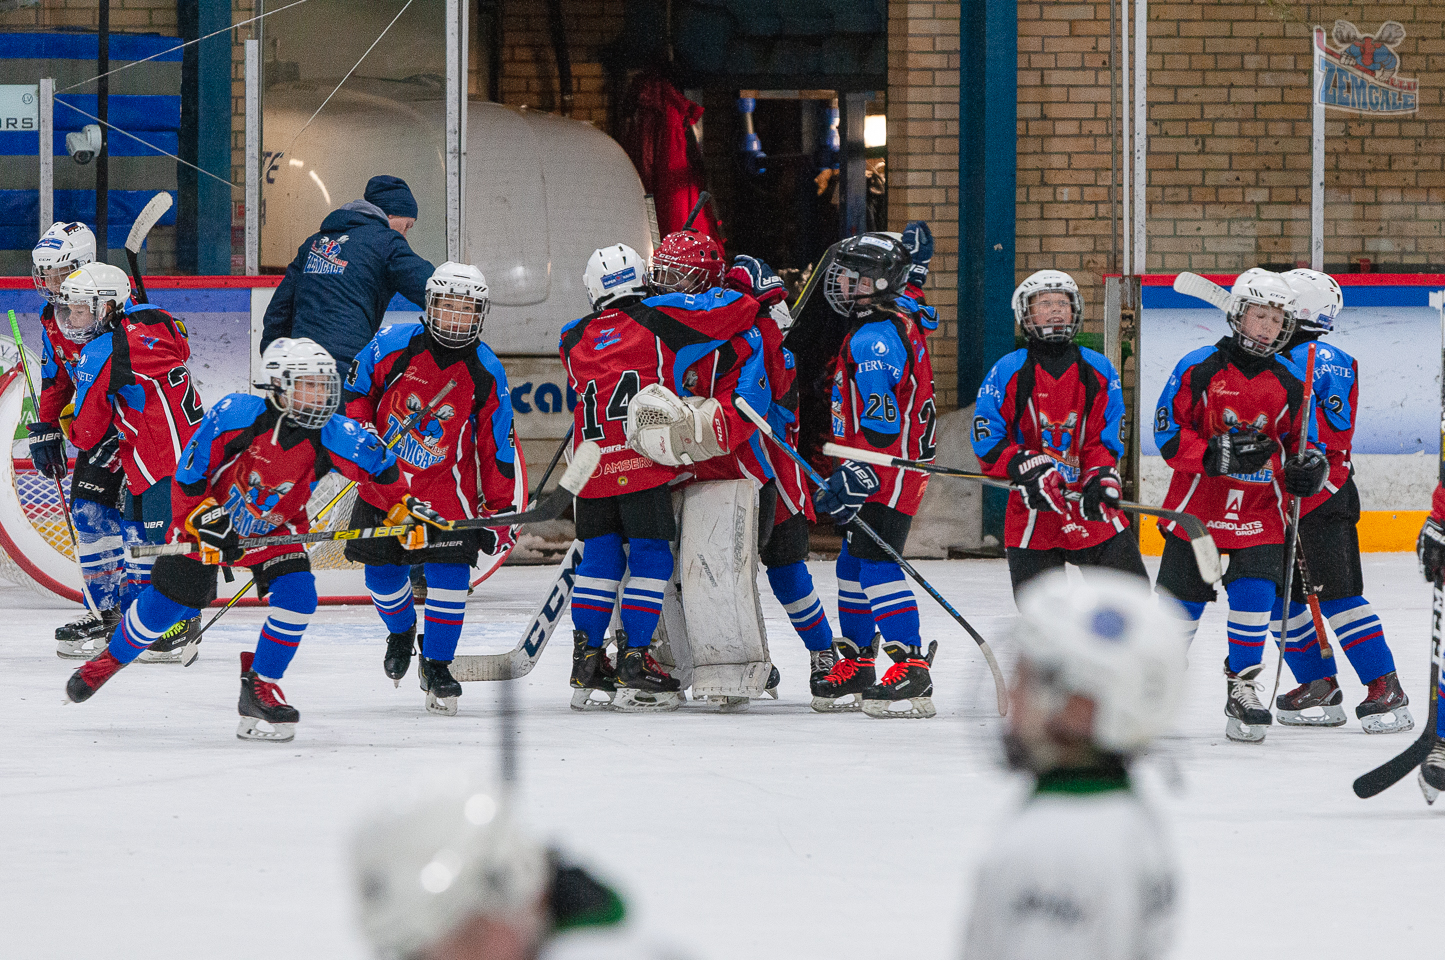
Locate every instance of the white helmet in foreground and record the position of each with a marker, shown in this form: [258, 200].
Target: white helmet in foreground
[1318, 299]
[429, 862]
[87, 299]
[1051, 320]
[301, 379]
[64, 249]
[614, 273]
[1105, 639]
[457, 301]
[1261, 311]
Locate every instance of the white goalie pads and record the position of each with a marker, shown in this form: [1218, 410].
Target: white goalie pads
[675, 432]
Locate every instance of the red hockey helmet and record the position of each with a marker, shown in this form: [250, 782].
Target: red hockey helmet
[687, 262]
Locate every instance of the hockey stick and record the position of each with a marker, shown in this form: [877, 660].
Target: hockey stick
[1206, 554]
[1193, 285]
[1311, 591]
[824, 262]
[1390, 772]
[702, 198]
[59, 489]
[550, 507]
[149, 214]
[192, 647]
[1291, 533]
[1000, 688]
[520, 661]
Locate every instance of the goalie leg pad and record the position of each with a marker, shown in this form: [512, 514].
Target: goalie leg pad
[718, 558]
[293, 601]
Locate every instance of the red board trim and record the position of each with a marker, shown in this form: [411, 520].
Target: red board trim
[1344, 279]
[170, 283]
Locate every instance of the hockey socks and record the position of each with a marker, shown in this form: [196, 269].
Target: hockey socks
[855, 616]
[391, 595]
[102, 553]
[446, 607]
[1193, 610]
[292, 598]
[594, 594]
[1250, 601]
[649, 564]
[895, 610]
[1360, 634]
[793, 586]
[148, 617]
[1302, 645]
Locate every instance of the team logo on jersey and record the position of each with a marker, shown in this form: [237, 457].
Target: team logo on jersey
[325, 255]
[1360, 73]
[1058, 438]
[1232, 421]
[1232, 502]
[840, 426]
[423, 445]
[251, 509]
[150, 342]
[605, 339]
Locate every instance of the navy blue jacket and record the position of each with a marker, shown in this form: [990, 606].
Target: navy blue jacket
[337, 288]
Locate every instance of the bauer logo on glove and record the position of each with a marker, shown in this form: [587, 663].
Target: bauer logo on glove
[216, 535]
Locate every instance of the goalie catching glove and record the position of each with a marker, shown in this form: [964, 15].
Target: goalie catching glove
[675, 432]
[420, 514]
[211, 525]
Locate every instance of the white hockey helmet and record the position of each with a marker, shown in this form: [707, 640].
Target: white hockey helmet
[614, 273]
[1261, 332]
[302, 381]
[1105, 638]
[457, 302]
[1318, 299]
[65, 248]
[1048, 326]
[429, 860]
[88, 297]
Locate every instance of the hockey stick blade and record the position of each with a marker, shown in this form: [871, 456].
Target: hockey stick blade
[520, 661]
[150, 213]
[1200, 288]
[1396, 768]
[584, 463]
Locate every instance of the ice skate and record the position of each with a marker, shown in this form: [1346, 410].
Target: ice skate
[85, 636]
[1323, 694]
[265, 714]
[442, 689]
[642, 685]
[399, 647]
[92, 674]
[594, 684]
[820, 664]
[1384, 709]
[841, 689]
[774, 680]
[907, 684]
[1247, 716]
[1432, 771]
[168, 648]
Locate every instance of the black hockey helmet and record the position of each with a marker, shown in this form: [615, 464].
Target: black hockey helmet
[868, 270]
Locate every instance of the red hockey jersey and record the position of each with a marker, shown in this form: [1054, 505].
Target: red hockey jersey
[59, 356]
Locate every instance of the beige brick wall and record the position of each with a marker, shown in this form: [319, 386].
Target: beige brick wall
[126, 16]
[529, 69]
[923, 63]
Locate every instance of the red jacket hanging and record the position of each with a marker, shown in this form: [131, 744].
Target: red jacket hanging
[658, 138]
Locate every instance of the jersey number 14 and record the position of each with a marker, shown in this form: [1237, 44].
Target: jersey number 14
[627, 387]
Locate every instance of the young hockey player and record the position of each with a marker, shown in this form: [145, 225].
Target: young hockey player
[1048, 420]
[1224, 422]
[882, 399]
[97, 486]
[249, 471]
[461, 458]
[132, 389]
[631, 363]
[1330, 544]
[1083, 870]
[1430, 548]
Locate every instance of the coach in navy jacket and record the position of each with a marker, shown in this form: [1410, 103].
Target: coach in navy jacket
[337, 288]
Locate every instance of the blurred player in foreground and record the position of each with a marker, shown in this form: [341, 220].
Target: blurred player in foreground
[1084, 870]
[1431, 550]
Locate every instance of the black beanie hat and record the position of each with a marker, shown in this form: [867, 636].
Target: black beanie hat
[392, 195]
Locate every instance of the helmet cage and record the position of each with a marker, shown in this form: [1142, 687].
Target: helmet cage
[686, 262]
[1038, 326]
[453, 326]
[1250, 344]
[44, 276]
[307, 399]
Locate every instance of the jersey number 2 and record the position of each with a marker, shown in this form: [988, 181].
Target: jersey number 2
[190, 403]
[622, 394]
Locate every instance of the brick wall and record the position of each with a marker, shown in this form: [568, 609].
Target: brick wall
[923, 59]
[529, 69]
[126, 16]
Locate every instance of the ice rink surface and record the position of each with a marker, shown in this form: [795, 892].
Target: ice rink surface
[138, 826]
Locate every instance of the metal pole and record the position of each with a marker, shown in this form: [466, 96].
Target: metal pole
[1124, 138]
[464, 46]
[102, 161]
[455, 92]
[253, 157]
[47, 153]
[1317, 158]
[1141, 132]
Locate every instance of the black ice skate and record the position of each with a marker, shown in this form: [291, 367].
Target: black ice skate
[594, 683]
[84, 682]
[442, 689]
[907, 683]
[1323, 694]
[1432, 771]
[265, 714]
[1384, 709]
[642, 685]
[168, 648]
[820, 664]
[1247, 716]
[774, 680]
[841, 689]
[399, 647]
[86, 636]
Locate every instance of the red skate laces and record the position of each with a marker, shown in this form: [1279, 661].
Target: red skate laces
[269, 694]
[899, 670]
[97, 670]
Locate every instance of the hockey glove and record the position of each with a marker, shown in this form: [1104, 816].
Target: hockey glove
[675, 432]
[106, 454]
[1430, 548]
[918, 240]
[1102, 492]
[420, 515]
[47, 450]
[1039, 481]
[846, 491]
[211, 525]
[1304, 475]
[1237, 453]
[755, 278]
